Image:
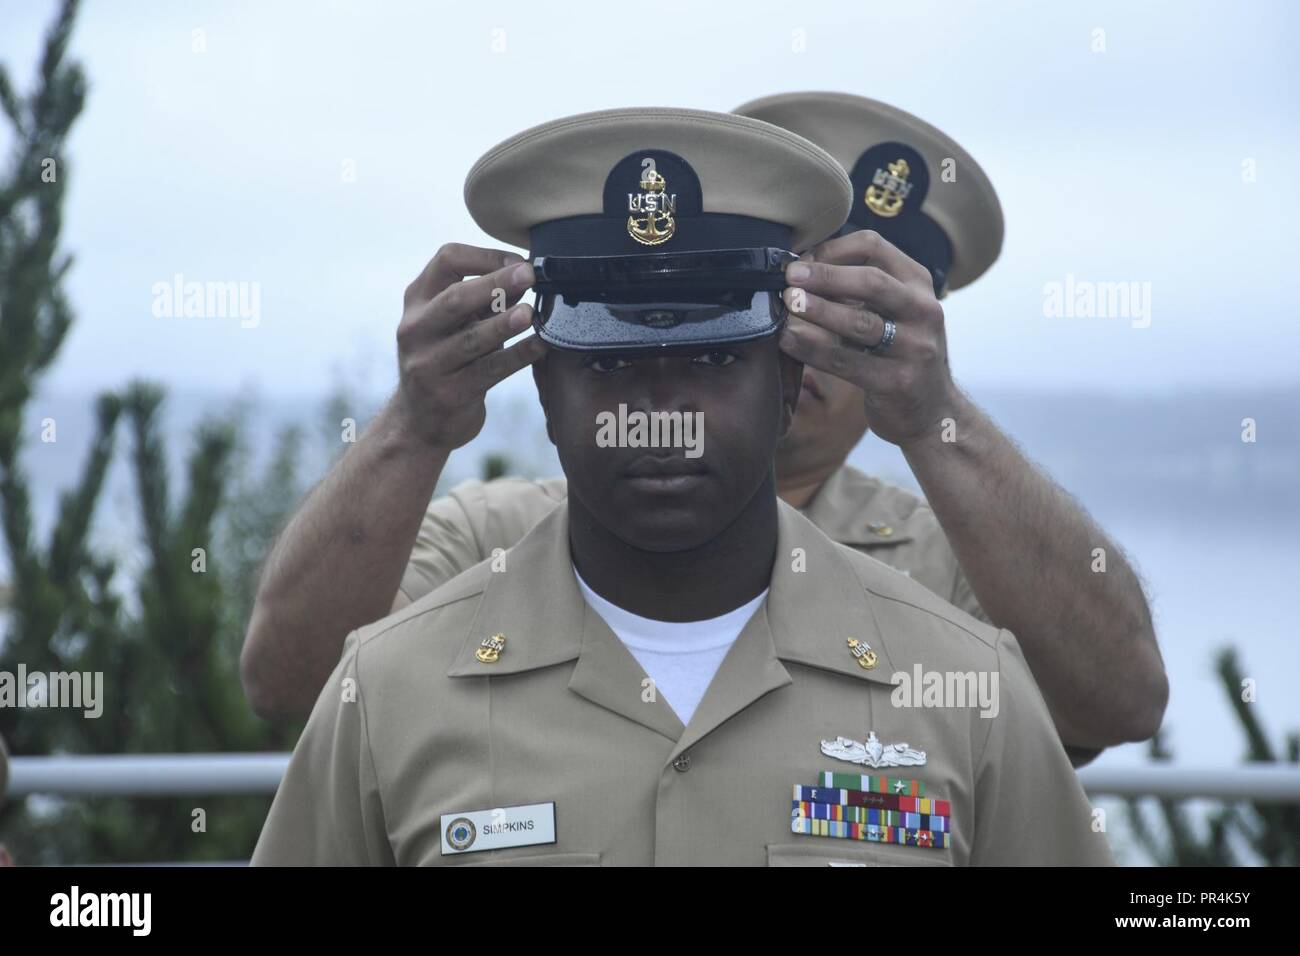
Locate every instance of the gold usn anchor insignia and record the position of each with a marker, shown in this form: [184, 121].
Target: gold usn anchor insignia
[862, 651]
[657, 224]
[490, 648]
[888, 191]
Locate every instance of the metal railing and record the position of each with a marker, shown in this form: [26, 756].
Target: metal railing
[162, 775]
[147, 775]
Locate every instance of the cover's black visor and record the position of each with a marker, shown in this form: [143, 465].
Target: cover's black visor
[660, 301]
[651, 320]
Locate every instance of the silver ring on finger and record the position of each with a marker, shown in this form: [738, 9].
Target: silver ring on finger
[886, 340]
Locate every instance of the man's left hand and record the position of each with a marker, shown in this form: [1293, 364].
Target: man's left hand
[840, 294]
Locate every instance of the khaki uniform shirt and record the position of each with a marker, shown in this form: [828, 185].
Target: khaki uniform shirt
[883, 521]
[886, 522]
[413, 729]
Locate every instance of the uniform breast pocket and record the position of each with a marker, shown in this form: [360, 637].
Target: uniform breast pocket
[542, 859]
[821, 853]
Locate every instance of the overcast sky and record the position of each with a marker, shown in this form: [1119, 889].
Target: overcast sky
[228, 164]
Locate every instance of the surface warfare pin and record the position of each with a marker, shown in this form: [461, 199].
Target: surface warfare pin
[872, 753]
[490, 649]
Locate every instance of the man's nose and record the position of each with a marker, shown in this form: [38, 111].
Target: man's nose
[663, 384]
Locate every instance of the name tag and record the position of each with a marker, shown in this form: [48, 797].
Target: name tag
[497, 829]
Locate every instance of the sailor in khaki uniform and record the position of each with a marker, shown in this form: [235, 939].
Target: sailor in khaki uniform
[956, 233]
[522, 714]
[413, 731]
[994, 536]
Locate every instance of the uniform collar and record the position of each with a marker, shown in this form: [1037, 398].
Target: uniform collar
[856, 510]
[533, 604]
[816, 603]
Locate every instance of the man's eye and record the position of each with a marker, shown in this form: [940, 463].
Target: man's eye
[717, 358]
[606, 363]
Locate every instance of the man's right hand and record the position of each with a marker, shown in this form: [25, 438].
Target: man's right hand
[451, 340]
[339, 561]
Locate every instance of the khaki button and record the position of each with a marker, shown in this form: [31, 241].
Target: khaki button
[881, 530]
[682, 763]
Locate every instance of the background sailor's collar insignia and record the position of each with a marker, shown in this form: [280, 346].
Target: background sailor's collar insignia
[852, 509]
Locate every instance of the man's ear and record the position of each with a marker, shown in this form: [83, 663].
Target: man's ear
[791, 371]
[540, 380]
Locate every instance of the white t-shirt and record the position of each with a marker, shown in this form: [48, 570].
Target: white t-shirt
[681, 658]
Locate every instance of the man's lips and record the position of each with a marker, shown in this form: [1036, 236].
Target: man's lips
[655, 466]
[664, 475]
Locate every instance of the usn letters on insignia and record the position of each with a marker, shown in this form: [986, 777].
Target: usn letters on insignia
[650, 212]
[889, 190]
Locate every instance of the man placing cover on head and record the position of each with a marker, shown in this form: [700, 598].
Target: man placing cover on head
[673, 666]
[1029, 549]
